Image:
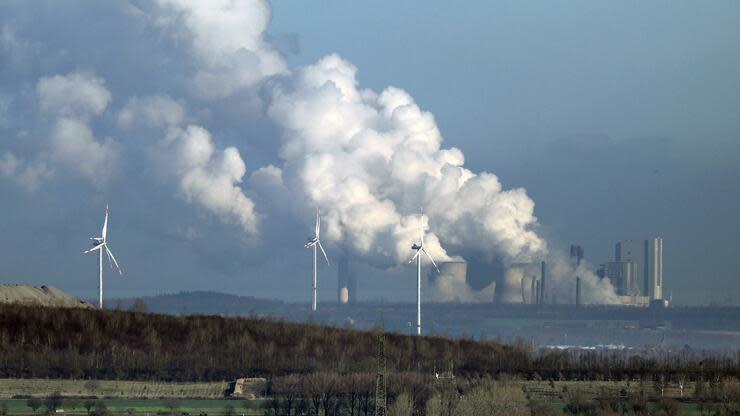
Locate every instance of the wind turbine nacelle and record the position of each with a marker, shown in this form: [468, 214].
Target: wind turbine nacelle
[415, 247]
[96, 241]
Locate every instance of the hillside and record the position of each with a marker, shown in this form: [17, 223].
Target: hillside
[79, 343]
[39, 295]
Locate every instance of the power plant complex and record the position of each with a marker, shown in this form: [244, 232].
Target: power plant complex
[635, 272]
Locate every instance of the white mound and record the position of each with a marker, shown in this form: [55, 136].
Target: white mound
[39, 295]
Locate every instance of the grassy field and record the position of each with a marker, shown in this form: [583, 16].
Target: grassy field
[556, 395]
[544, 391]
[151, 407]
[10, 388]
[146, 397]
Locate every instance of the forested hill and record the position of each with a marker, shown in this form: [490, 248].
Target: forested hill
[79, 343]
[110, 344]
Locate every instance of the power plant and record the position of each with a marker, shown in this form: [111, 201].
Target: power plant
[636, 275]
[637, 271]
[519, 283]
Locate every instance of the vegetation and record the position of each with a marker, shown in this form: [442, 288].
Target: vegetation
[119, 345]
[42, 388]
[91, 356]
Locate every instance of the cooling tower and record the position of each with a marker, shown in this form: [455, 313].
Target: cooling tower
[451, 278]
[509, 289]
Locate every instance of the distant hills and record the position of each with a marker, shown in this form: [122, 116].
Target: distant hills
[541, 325]
[39, 295]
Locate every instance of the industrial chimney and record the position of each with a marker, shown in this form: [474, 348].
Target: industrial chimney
[533, 291]
[578, 291]
[347, 283]
[543, 292]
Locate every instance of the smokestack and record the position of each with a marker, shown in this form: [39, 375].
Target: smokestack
[346, 282]
[578, 291]
[524, 292]
[576, 255]
[537, 292]
[533, 291]
[543, 292]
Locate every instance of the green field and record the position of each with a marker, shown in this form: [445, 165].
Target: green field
[148, 397]
[10, 388]
[150, 407]
[544, 391]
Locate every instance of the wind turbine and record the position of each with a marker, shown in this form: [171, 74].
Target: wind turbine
[100, 243]
[419, 249]
[314, 242]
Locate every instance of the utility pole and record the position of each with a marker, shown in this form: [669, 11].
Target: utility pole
[381, 402]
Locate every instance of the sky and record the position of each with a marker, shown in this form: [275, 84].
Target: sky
[214, 134]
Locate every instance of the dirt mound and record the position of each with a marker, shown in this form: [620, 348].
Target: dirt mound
[39, 295]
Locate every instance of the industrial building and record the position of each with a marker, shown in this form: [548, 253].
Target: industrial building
[637, 270]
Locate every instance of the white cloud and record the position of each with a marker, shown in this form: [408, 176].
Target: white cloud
[153, 111]
[28, 176]
[73, 99]
[74, 145]
[77, 94]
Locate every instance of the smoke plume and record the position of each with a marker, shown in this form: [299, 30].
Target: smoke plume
[369, 160]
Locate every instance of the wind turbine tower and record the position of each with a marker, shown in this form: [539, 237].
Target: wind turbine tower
[100, 243]
[419, 249]
[314, 242]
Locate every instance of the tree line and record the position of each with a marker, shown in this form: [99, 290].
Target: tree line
[109, 344]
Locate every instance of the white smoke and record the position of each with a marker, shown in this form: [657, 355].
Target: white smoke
[227, 40]
[561, 281]
[210, 178]
[371, 160]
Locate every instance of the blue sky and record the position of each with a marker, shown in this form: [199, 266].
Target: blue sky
[619, 119]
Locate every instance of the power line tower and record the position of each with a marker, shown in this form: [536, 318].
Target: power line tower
[381, 402]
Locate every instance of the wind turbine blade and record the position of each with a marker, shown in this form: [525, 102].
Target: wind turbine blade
[310, 244]
[111, 257]
[415, 256]
[110, 260]
[421, 227]
[318, 224]
[105, 224]
[431, 259]
[98, 247]
[323, 252]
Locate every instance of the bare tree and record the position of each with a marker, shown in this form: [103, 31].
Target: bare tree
[681, 383]
[34, 403]
[287, 388]
[402, 406]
